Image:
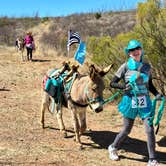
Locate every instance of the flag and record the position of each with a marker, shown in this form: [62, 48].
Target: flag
[80, 53]
[73, 37]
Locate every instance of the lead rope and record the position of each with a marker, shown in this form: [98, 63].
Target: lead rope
[160, 113]
[110, 99]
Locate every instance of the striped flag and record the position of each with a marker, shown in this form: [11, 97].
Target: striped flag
[73, 37]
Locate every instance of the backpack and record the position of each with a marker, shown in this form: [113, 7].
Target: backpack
[54, 85]
[28, 39]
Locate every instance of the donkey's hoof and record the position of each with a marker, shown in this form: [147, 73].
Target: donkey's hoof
[64, 135]
[87, 131]
[81, 147]
[43, 126]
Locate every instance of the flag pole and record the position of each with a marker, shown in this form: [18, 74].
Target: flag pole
[68, 46]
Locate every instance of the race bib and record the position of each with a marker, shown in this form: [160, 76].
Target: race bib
[140, 103]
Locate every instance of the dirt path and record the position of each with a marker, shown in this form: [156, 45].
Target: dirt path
[24, 142]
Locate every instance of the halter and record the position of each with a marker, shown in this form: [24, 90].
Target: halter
[91, 100]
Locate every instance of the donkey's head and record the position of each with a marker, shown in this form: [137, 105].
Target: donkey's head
[95, 87]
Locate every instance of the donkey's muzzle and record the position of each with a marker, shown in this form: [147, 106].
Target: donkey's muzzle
[97, 106]
[99, 109]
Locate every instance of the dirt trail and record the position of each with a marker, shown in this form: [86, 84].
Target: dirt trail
[24, 142]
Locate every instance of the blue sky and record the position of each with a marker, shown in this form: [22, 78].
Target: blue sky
[21, 8]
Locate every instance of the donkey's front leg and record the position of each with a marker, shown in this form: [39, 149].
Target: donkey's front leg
[82, 119]
[76, 128]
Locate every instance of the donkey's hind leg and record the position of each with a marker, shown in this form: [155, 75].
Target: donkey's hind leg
[44, 107]
[60, 122]
[22, 56]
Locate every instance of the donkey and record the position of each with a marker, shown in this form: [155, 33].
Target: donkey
[20, 47]
[86, 90]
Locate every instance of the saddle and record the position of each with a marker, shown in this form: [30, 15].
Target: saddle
[59, 82]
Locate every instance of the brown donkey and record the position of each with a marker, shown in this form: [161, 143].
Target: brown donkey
[86, 90]
[20, 48]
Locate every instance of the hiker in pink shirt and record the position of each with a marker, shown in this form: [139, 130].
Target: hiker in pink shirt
[29, 44]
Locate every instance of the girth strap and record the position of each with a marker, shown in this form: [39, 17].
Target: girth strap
[77, 104]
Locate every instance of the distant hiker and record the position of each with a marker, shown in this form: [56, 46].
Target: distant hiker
[29, 44]
[137, 78]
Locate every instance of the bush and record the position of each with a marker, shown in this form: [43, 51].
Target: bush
[97, 15]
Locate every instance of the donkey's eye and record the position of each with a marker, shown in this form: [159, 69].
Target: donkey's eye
[94, 87]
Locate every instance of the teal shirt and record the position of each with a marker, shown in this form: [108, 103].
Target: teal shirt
[136, 101]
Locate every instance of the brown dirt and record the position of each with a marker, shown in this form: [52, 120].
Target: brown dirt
[24, 142]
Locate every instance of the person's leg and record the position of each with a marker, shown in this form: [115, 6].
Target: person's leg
[127, 126]
[150, 139]
[30, 53]
[27, 53]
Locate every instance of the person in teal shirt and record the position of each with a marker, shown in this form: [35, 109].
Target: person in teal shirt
[136, 75]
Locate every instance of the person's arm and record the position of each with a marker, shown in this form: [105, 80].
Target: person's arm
[32, 39]
[24, 41]
[115, 83]
[152, 89]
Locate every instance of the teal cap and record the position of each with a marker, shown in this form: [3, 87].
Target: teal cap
[131, 45]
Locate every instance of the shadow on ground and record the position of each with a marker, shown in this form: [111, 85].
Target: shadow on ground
[4, 89]
[41, 60]
[105, 138]
[162, 142]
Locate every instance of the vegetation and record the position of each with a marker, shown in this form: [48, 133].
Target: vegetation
[106, 34]
[150, 30]
[152, 27]
[10, 28]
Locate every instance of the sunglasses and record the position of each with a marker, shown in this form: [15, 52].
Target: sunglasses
[137, 48]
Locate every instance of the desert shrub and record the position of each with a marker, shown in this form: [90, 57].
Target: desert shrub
[44, 19]
[98, 15]
[13, 27]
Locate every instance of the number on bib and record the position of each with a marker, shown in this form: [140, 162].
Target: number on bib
[141, 102]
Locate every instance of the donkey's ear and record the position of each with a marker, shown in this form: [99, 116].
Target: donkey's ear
[74, 67]
[92, 71]
[106, 70]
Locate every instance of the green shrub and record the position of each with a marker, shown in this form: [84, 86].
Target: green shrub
[97, 15]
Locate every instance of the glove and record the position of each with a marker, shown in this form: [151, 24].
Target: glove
[127, 88]
[159, 96]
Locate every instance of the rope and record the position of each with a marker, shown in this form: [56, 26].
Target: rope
[159, 115]
[110, 99]
[153, 108]
[160, 111]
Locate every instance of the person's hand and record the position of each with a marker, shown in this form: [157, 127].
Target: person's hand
[159, 96]
[127, 88]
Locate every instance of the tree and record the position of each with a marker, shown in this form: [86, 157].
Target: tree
[151, 26]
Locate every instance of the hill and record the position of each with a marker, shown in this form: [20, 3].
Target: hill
[23, 141]
[91, 24]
